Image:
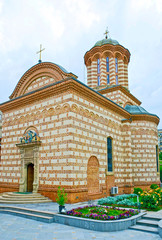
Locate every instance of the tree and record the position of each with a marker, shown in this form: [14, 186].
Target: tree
[160, 156]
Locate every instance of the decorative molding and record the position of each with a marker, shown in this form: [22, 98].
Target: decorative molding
[112, 50]
[38, 70]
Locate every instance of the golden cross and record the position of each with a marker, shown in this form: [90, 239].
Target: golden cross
[106, 33]
[40, 53]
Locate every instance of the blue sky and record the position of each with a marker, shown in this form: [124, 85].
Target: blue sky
[69, 28]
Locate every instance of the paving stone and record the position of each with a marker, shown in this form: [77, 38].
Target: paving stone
[18, 228]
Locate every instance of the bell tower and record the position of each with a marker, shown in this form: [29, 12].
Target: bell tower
[107, 64]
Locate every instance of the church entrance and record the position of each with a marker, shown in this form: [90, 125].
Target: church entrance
[30, 177]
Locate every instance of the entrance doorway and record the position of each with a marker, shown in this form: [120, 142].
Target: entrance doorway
[30, 177]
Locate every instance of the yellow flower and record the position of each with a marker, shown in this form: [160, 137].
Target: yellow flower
[141, 202]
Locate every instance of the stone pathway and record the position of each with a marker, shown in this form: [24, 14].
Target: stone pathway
[18, 228]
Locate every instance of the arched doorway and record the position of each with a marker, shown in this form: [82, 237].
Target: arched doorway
[30, 177]
[93, 175]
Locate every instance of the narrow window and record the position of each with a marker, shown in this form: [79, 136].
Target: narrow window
[116, 65]
[98, 65]
[109, 155]
[98, 79]
[157, 159]
[98, 72]
[107, 64]
[116, 79]
[108, 79]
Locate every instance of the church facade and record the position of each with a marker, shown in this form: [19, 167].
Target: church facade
[57, 131]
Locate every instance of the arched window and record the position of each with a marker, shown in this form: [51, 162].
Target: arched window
[116, 65]
[107, 70]
[108, 79]
[98, 80]
[116, 70]
[107, 64]
[116, 79]
[98, 65]
[109, 155]
[98, 72]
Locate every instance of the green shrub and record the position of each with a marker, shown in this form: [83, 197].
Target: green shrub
[127, 202]
[138, 191]
[154, 186]
[148, 201]
[108, 200]
[161, 172]
[61, 196]
[114, 200]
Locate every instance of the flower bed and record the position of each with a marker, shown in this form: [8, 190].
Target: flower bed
[98, 212]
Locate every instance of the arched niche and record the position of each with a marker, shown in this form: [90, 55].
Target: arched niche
[93, 175]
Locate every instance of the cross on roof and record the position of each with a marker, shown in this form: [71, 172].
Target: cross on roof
[41, 49]
[106, 33]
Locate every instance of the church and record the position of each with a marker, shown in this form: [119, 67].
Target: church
[88, 139]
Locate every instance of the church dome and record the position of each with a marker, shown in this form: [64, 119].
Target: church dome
[106, 41]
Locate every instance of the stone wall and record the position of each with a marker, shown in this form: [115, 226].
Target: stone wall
[73, 127]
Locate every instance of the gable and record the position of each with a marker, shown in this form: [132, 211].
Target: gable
[39, 76]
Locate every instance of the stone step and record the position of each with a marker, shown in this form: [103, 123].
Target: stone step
[22, 195]
[21, 198]
[150, 217]
[27, 210]
[25, 201]
[144, 229]
[9, 197]
[147, 222]
[34, 216]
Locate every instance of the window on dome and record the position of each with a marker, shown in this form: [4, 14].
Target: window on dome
[116, 79]
[98, 65]
[109, 155]
[107, 64]
[108, 79]
[98, 80]
[116, 65]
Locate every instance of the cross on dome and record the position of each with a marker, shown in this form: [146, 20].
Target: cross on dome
[106, 33]
[41, 49]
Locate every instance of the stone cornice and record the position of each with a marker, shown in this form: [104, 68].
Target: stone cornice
[145, 117]
[40, 68]
[59, 87]
[27, 145]
[81, 89]
[122, 89]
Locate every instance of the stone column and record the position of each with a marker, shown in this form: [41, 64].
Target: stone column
[22, 179]
[36, 169]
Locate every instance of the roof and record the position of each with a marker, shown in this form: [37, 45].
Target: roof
[133, 109]
[106, 41]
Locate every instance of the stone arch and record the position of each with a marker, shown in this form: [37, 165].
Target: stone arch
[127, 103]
[118, 55]
[107, 53]
[96, 56]
[32, 128]
[93, 175]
